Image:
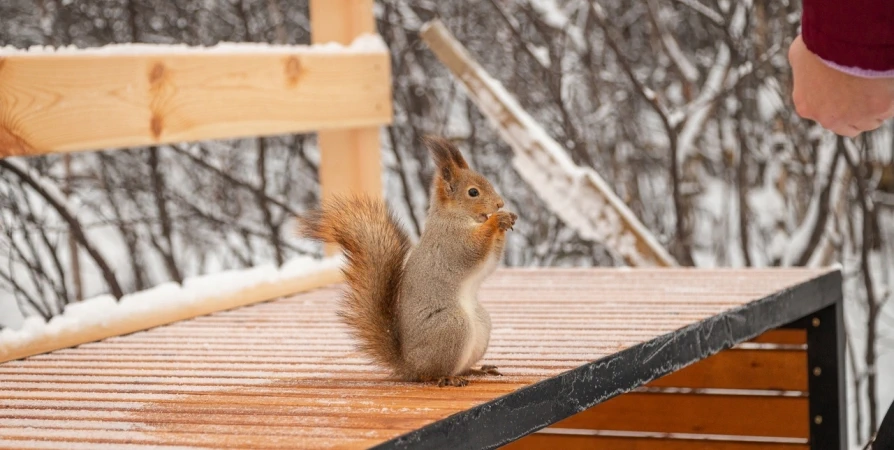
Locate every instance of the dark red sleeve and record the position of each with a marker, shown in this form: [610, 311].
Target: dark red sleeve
[853, 33]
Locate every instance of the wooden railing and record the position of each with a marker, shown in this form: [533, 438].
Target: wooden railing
[145, 95]
[68, 101]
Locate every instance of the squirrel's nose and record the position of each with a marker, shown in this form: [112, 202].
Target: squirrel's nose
[499, 204]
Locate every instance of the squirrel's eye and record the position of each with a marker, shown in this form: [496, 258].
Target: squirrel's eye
[473, 192]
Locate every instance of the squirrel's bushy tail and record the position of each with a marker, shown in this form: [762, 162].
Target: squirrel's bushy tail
[375, 247]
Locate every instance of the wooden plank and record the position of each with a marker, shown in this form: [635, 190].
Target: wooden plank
[784, 370]
[350, 158]
[545, 441]
[64, 102]
[350, 162]
[341, 20]
[20, 437]
[783, 336]
[281, 371]
[742, 415]
[151, 318]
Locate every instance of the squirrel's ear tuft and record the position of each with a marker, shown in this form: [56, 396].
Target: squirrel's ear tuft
[444, 152]
[447, 157]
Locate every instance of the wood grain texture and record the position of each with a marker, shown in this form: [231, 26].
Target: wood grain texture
[738, 415]
[350, 162]
[71, 337]
[64, 102]
[540, 441]
[785, 337]
[341, 20]
[350, 159]
[284, 374]
[783, 370]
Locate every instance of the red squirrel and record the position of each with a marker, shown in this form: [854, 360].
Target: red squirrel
[415, 310]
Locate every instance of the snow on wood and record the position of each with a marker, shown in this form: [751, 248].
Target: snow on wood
[364, 44]
[67, 100]
[102, 317]
[577, 195]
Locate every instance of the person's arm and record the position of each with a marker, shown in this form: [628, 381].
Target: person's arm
[857, 35]
[843, 64]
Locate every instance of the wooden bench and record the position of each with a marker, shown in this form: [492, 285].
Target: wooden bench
[593, 358]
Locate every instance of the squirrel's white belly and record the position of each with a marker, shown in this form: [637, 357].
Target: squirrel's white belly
[476, 343]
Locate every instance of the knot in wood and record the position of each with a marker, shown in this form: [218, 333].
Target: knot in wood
[293, 70]
[157, 73]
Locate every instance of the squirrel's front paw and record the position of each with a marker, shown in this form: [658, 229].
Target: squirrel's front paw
[505, 220]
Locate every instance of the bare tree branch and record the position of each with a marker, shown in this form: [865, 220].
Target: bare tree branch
[158, 190]
[254, 190]
[57, 202]
[713, 16]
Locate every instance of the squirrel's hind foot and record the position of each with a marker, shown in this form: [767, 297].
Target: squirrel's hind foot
[452, 381]
[485, 370]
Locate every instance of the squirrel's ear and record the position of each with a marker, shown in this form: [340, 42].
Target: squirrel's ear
[447, 158]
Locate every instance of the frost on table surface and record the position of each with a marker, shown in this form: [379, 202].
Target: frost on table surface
[103, 312]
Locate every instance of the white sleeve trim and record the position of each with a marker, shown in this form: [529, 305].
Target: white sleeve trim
[858, 72]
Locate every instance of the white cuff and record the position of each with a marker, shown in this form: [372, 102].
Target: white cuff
[858, 72]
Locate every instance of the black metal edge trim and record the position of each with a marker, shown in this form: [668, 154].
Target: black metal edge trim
[517, 414]
[826, 378]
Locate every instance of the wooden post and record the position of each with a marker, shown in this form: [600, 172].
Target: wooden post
[350, 159]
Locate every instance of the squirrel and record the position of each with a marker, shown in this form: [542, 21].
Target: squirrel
[415, 310]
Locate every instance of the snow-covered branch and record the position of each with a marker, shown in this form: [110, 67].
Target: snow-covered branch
[554, 17]
[695, 121]
[682, 62]
[705, 11]
[540, 55]
[806, 238]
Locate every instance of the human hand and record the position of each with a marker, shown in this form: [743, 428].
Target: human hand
[842, 103]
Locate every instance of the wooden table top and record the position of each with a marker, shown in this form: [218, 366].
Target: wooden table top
[284, 374]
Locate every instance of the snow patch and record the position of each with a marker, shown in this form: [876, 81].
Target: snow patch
[366, 43]
[103, 311]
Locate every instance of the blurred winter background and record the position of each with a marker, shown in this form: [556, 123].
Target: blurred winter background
[704, 85]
